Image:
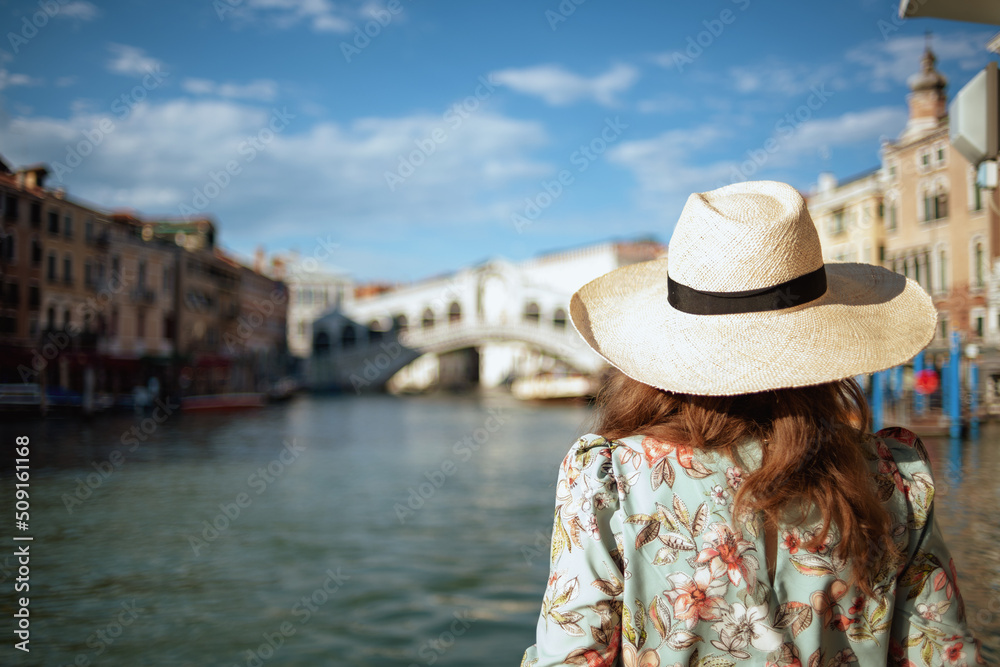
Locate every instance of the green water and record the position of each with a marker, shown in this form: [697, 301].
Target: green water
[347, 531]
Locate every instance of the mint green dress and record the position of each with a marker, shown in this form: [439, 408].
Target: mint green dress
[650, 567]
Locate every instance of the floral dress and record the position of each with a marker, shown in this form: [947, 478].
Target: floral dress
[650, 567]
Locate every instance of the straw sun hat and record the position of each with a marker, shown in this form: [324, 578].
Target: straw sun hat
[744, 303]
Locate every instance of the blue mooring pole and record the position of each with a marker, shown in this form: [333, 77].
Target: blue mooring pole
[954, 407]
[918, 398]
[878, 400]
[973, 400]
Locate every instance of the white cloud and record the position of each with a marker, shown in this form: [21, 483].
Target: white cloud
[774, 77]
[131, 61]
[264, 90]
[80, 10]
[319, 15]
[855, 127]
[558, 86]
[894, 60]
[670, 166]
[8, 79]
[308, 179]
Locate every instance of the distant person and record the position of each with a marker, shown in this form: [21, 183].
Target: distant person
[732, 506]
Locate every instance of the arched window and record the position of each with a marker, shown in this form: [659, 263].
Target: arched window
[348, 336]
[321, 343]
[374, 331]
[559, 319]
[531, 313]
[428, 319]
[454, 312]
[400, 323]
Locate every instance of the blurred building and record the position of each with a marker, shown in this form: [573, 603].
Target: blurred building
[921, 214]
[312, 290]
[94, 305]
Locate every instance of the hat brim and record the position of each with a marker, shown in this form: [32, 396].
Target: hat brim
[868, 320]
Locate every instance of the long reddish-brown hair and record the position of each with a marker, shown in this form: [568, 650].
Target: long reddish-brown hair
[814, 455]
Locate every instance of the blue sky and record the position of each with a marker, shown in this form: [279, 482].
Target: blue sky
[453, 131]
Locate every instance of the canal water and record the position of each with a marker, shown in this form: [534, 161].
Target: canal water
[362, 531]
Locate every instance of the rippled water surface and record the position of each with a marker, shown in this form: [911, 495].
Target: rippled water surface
[347, 531]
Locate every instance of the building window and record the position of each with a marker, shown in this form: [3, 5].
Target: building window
[893, 217]
[944, 327]
[50, 318]
[116, 267]
[943, 266]
[428, 319]
[559, 319]
[454, 312]
[348, 337]
[837, 222]
[54, 222]
[979, 326]
[531, 313]
[400, 323]
[940, 155]
[88, 229]
[68, 270]
[50, 272]
[935, 205]
[36, 213]
[8, 248]
[34, 296]
[978, 264]
[67, 320]
[11, 209]
[68, 226]
[36, 252]
[142, 275]
[140, 323]
[892, 172]
[925, 159]
[12, 297]
[88, 277]
[302, 328]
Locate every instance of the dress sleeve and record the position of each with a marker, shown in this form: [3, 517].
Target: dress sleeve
[580, 621]
[929, 625]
